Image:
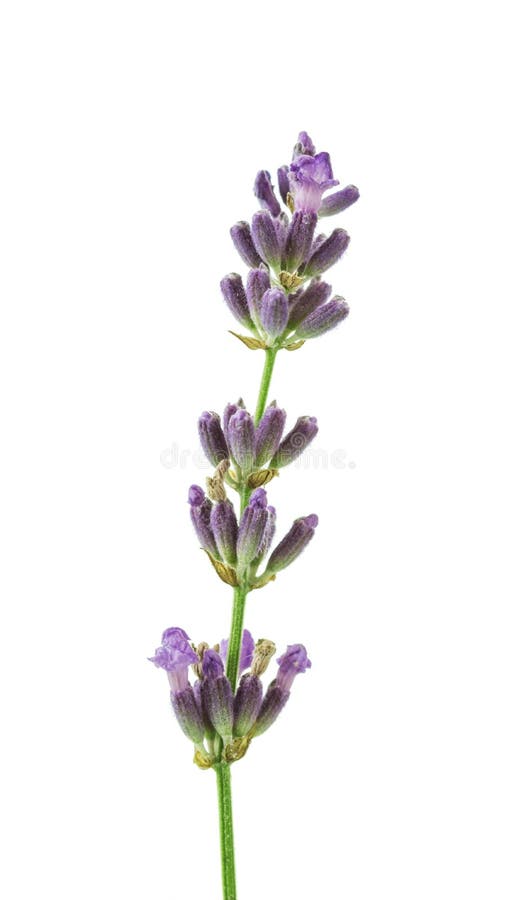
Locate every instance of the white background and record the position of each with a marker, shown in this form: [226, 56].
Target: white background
[131, 136]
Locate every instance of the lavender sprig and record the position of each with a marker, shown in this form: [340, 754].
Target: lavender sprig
[281, 303]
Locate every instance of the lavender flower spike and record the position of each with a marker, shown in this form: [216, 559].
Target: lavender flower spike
[274, 312]
[212, 438]
[297, 440]
[217, 694]
[328, 253]
[323, 319]
[341, 200]
[294, 542]
[235, 297]
[269, 433]
[200, 514]
[264, 192]
[241, 234]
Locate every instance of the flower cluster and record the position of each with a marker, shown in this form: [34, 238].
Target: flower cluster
[284, 301]
[220, 723]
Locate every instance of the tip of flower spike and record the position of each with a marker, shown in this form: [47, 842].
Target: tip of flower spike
[195, 495]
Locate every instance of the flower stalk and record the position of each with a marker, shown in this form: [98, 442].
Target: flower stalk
[283, 305]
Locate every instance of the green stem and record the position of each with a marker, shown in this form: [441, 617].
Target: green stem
[270, 356]
[227, 849]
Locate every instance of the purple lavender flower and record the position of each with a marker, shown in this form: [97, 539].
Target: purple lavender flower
[299, 239]
[200, 514]
[274, 312]
[248, 700]
[309, 178]
[265, 238]
[241, 438]
[293, 662]
[328, 253]
[173, 635]
[246, 651]
[268, 534]
[217, 694]
[294, 542]
[323, 319]
[225, 528]
[175, 656]
[339, 201]
[235, 297]
[212, 438]
[241, 234]
[297, 439]
[264, 192]
[269, 433]
[252, 528]
[305, 302]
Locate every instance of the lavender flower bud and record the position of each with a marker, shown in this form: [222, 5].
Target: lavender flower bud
[283, 183]
[323, 319]
[293, 444]
[201, 706]
[234, 295]
[273, 702]
[268, 534]
[264, 191]
[339, 201]
[248, 700]
[274, 312]
[188, 714]
[217, 694]
[265, 238]
[229, 411]
[304, 145]
[212, 438]
[293, 662]
[313, 296]
[299, 239]
[241, 234]
[328, 253]
[225, 528]
[258, 281]
[294, 542]
[200, 514]
[269, 433]
[241, 438]
[246, 651]
[252, 528]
